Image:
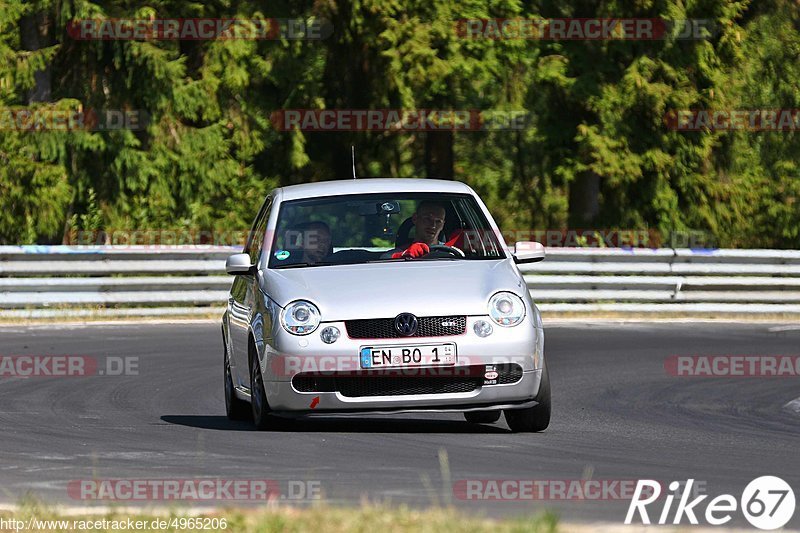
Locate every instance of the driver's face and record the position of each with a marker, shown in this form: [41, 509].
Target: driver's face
[429, 221]
[316, 243]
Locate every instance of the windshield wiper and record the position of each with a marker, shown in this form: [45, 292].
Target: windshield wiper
[407, 258]
[300, 265]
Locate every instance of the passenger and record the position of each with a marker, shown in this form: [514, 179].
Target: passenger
[311, 239]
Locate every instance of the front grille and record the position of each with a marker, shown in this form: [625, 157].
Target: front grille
[355, 386]
[397, 386]
[406, 381]
[427, 326]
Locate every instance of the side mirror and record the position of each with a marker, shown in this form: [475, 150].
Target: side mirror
[238, 264]
[528, 252]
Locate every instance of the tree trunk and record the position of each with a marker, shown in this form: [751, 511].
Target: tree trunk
[36, 32]
[584, 200]
[439, 154]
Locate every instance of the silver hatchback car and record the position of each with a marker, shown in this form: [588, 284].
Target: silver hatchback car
[382, 295]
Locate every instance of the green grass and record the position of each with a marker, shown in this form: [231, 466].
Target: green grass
[322, 518]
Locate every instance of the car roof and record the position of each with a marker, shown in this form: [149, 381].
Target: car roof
[372, 185]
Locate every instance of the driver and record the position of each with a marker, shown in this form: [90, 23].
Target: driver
[428, 222]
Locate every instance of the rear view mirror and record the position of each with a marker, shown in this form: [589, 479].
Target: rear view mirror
[238, 264]
[528, 252]
[382, 208]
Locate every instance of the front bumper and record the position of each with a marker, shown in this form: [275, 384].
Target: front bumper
[282, 396]
[288, 356]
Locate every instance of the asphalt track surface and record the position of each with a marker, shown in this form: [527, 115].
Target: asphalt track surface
[617, 415]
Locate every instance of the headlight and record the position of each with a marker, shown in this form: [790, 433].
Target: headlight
[506, 309]
[300, 317]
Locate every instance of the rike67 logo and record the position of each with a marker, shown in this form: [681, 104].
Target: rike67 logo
[767, 502]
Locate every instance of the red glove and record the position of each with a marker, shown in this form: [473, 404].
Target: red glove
[418, 249]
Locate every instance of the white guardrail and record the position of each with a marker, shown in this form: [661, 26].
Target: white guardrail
[42, 281]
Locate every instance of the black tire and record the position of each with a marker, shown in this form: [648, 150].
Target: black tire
[258, 396]
[235, 408]
[482, 417]
[535, 418]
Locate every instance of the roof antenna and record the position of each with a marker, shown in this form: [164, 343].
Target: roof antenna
[353, 152]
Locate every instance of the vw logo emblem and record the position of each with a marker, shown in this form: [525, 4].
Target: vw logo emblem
[405, 324]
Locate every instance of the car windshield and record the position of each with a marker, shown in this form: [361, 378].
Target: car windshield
[364, 228]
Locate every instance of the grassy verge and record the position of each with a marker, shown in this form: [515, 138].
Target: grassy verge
[367, 519]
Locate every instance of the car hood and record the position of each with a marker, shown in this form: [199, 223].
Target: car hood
[384, 290]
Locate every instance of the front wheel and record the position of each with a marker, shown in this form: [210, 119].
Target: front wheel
[235, 408]
[258, 396]
[535, 418]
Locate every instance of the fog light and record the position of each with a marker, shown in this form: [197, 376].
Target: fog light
[329, 335]
[482, 328]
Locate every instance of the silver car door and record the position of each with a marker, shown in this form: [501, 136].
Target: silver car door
[240, 301]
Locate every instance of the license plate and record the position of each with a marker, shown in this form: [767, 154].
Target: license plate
[404, 356]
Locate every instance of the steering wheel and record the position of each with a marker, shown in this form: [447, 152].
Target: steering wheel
[455, 252]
